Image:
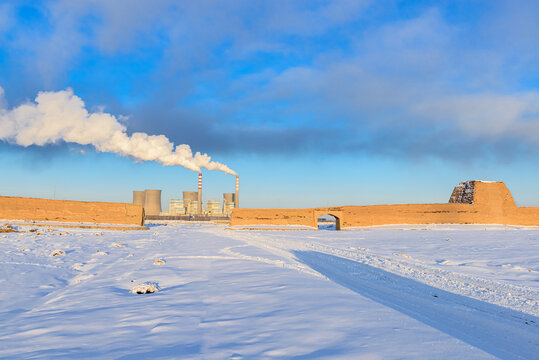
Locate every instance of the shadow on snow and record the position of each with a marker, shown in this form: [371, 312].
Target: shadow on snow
[497, 330]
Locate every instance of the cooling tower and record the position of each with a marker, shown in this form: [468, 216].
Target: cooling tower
[228, 198]
[200, 193]
[190, 196]
[138, 197]
[152, 202]
[237, 197]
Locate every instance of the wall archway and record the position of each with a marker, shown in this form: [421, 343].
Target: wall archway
[324, 213]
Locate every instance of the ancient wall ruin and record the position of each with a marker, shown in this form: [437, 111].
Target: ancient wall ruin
[472, 202]
[21, 208]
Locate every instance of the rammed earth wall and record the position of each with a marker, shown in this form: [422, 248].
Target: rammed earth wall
[472, 202]
[21, 208]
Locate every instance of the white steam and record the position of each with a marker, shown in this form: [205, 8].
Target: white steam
[62, 116]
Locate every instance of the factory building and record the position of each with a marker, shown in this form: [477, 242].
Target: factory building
[213, 208]
[190, 205]
[227, 209]
[176, 208]
[192, 208]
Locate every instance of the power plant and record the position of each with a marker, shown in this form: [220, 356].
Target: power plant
[237, 197]
[149, 199]
[152, 202]
[190, 206]
[229, 203]
[200, 193]
[138, 197]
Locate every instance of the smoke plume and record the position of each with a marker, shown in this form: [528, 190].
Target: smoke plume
[62, 116]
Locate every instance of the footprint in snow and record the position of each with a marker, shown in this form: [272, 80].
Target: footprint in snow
[442, 262]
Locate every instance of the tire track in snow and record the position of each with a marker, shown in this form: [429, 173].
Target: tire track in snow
[403, 284]
[279, 263]
[30, 264]
[502, 332]
[518, 298]
[522, 299]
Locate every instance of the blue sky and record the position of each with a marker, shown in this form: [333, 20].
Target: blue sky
[313, 103]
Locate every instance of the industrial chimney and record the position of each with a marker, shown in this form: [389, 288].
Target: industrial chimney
[199, 193]
[237, 196]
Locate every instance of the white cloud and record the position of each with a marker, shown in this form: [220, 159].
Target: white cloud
[62, 116]
[6, 17]
[487, 115]
[416, 73]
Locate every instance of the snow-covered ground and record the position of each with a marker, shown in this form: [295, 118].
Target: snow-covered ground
[423, 292]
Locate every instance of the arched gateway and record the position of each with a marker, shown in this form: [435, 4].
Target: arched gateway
[328, 222]
[334, 212]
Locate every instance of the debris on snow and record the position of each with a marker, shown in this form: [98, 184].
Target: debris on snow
[159, 262]
[146, 288]
[58, 252]
[7, 229]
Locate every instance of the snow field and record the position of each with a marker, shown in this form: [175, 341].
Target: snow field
[262, 295]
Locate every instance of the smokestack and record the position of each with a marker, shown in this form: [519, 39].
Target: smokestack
[200, 193]
[237, 196]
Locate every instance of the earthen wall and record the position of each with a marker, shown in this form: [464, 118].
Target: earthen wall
[21, 208]
[485, 203]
